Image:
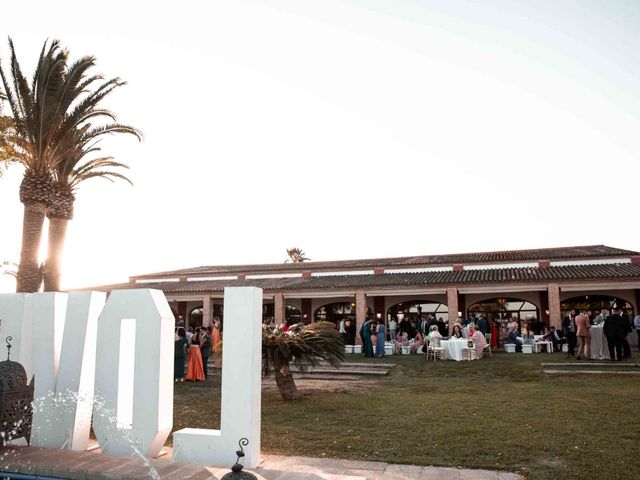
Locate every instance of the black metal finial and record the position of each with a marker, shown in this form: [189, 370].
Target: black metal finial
[8, 339]
[236, 470]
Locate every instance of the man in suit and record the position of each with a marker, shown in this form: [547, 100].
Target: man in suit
[205, 348]
[556, 337]
[483, 326]
[614, 331]
[424, 325]
[569, 327]
[626, 322]
[582, 332]
[442, 328]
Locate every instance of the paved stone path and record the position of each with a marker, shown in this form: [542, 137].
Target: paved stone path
[275, 467]
[94, 465]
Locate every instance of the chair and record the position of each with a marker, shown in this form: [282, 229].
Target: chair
[487, 347]
[434, 350]
[469, 352]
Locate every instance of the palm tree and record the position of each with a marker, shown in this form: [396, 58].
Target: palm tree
[295, 255]
[37, 110]
[304, 346]
[52, 124]
[69, 173]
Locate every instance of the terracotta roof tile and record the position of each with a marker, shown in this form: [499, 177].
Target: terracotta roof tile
[394, 280]
[557, 253]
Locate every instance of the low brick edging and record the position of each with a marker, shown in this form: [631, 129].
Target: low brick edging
[94, 466]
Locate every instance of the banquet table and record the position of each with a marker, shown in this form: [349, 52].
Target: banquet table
[599, 346]
[453, 348]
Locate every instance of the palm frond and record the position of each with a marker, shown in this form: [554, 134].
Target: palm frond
[304, 345]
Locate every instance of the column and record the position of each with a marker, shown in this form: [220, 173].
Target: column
[307, 314]
[182, 313]
[462, 305]
[544, 307]
[378, 308]
[207, 311]
[452, 305]
[361, 313]
[555, 316]
[278, 306]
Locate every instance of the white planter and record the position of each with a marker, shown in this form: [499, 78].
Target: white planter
[527, 348]
[406, 350]
[357, 348]
[348, 349]
[388, 349]
[510, 347]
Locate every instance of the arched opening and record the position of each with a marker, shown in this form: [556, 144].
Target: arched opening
[595, 303]
[196, 315]
[291, 314]
[335, 312]
[412, 309]
[503, 310]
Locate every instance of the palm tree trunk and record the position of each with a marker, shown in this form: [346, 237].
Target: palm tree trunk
[286, 384]
[57, 235]
[29, 276]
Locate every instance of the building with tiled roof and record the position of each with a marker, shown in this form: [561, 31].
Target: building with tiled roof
[535, 286]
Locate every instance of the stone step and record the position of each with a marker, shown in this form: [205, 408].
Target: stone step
[591, 372]
[604, 363]
[362, 364]
[342, 371]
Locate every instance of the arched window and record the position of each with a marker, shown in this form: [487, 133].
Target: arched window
[595, 303]
[413, 308]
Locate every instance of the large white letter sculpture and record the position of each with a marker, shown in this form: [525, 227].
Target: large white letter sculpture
[241, 382]
[64, 368]
[64, 353]
[133, 408]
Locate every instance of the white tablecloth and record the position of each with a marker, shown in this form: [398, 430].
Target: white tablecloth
[599, 346]
[453, 348]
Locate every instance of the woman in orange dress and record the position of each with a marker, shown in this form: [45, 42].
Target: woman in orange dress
[195, 370]
[216, 337]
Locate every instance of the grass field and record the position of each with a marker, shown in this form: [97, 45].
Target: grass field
[499, 413]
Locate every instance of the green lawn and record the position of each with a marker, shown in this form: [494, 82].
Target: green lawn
[499, 413]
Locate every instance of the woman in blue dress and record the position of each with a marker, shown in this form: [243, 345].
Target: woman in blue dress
[381, 333]
[368, 346]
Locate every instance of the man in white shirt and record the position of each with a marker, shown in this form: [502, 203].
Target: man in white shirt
[393, 326]
[343, 328]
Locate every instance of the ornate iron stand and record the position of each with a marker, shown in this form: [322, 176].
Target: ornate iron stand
[236, 472]
[16, 400]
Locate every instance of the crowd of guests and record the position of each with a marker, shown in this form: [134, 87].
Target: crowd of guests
[417, 331]
[413, 333]
[616, 326]
[192, 349]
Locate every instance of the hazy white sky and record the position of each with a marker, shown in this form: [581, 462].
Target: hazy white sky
[350, 129]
